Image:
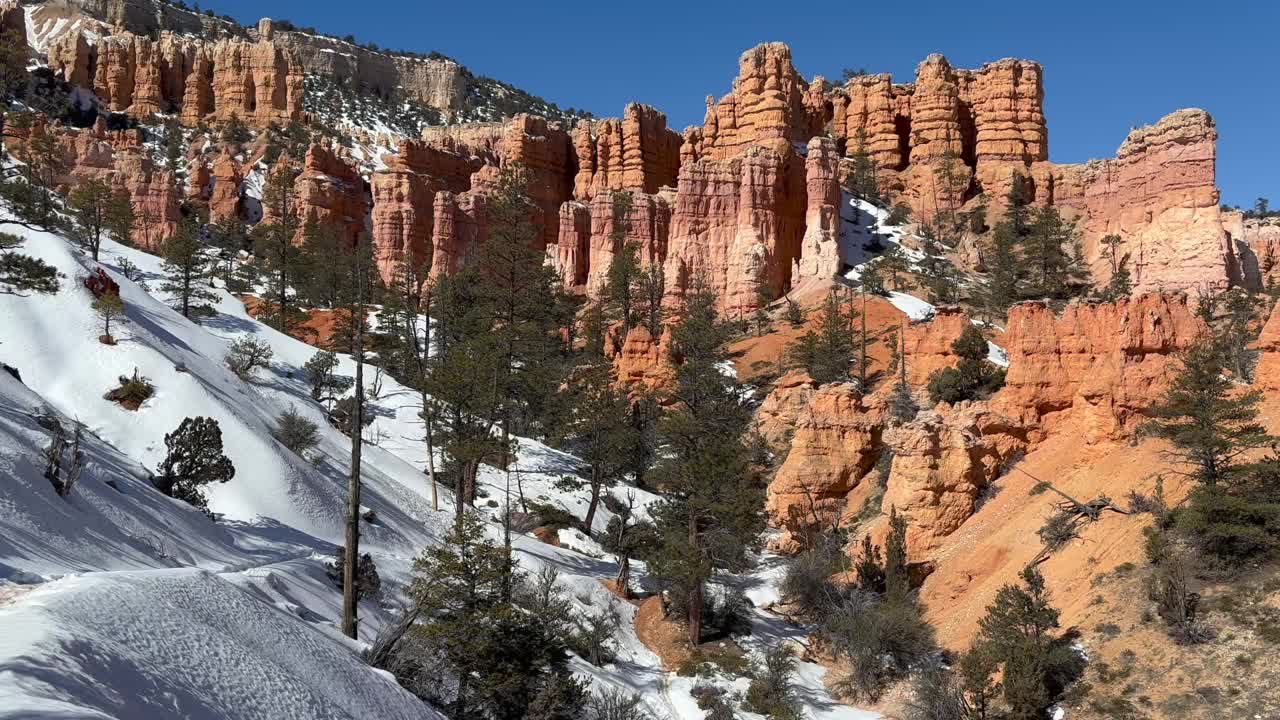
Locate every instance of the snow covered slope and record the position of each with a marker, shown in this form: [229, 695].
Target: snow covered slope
[118, 602]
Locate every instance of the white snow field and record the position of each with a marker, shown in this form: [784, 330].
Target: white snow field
[118, 602]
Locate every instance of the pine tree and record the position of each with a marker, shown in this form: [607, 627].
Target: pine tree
[187, 268]
[20, 273]
[90, 202]
[1208, 422]
[276, 256]
[1017, 632]
[1051, 256]
[827, 354]
[521, 298]
[862, 176]
[895, 264]
[1002, 262]
[324, 265]
[711, 513]
[599, 430]
[109, 307]
[651, 288]
[465, 370]
[618, 297]
[973, 375]
[13, 64]
[194, 459]
[229, 240]
[897, 577]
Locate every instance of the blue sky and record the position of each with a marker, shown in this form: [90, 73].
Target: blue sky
[1109, 66]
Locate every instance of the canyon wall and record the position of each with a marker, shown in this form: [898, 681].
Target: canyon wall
[256, 82]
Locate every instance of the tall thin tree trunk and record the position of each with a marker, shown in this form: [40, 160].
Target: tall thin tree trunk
[595, 500]
[428, 418]
[696, 592]
[349, 622]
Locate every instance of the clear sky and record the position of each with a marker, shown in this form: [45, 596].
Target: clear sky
[1109, 66]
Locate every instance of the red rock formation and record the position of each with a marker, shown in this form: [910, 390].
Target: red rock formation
[777, 415]
[224, 196]
[636, 153]
[458, 227]
[819, 259]
[737, 225]
[942, 461]
[330, 192]
[642, 361]
[1259, 242]
[1099, 366]
[118, 158]
[836, 443]
[257, 82]
[570, 257]
[872, 114]
[1267, 373]
[1158, 195]
[927, 344]
[769, 103]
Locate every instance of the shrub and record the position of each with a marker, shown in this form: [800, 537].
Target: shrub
[368, 583]
[899, 215]
[247, 355]
[194, 460]
[770, 693]
[296, 432]
[881, 639]
[616, 705]
[808, 584]
[935, 695]
[132, 391]
[592, 637]
[973, 376]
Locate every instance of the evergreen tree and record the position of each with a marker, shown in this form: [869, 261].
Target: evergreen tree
[229, 240]
[194, 459]
[1017, 632]
[599, 430]
[13, 64]
[1209, 423]
[326, 384]
[973, 375]
[897, 577]
[465, 370]
[711, 512]
[1052, 257]
[20, 273]
[827, 354]
[93, 204]
[325, 261]
[618, 297]
[895, 264]
[862, 177]
[109, 307]
[275, 255]
[521, 300]
[186, 268]
[505, 661]
[1002, 263]
[651, 289]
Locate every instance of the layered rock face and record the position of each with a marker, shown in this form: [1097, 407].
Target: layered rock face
[1097, 366]
[927, 345]
[737, 226]
[329, 191]
[1158, 195]
[641, 361]
[224, 195]
[257, 82]
[636, 153]
[942, 461]
[819, 258]
[837, 440]
[119, 158]
[1257, 245]
[769, 103]
[1266, 375]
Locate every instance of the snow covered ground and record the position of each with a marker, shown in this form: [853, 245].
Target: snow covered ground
[864, 223]
[118, 602]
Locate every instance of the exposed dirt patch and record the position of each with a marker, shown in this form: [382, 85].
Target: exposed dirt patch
[317, 327]
[662, 636]
[547, 535]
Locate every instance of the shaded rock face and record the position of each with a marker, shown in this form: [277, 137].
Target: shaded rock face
[737, 227]
[777, 415]
[329, 191]
[1257, 245]
[1097, 366]
[224, 195]
[257, 82]
[119, 158]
